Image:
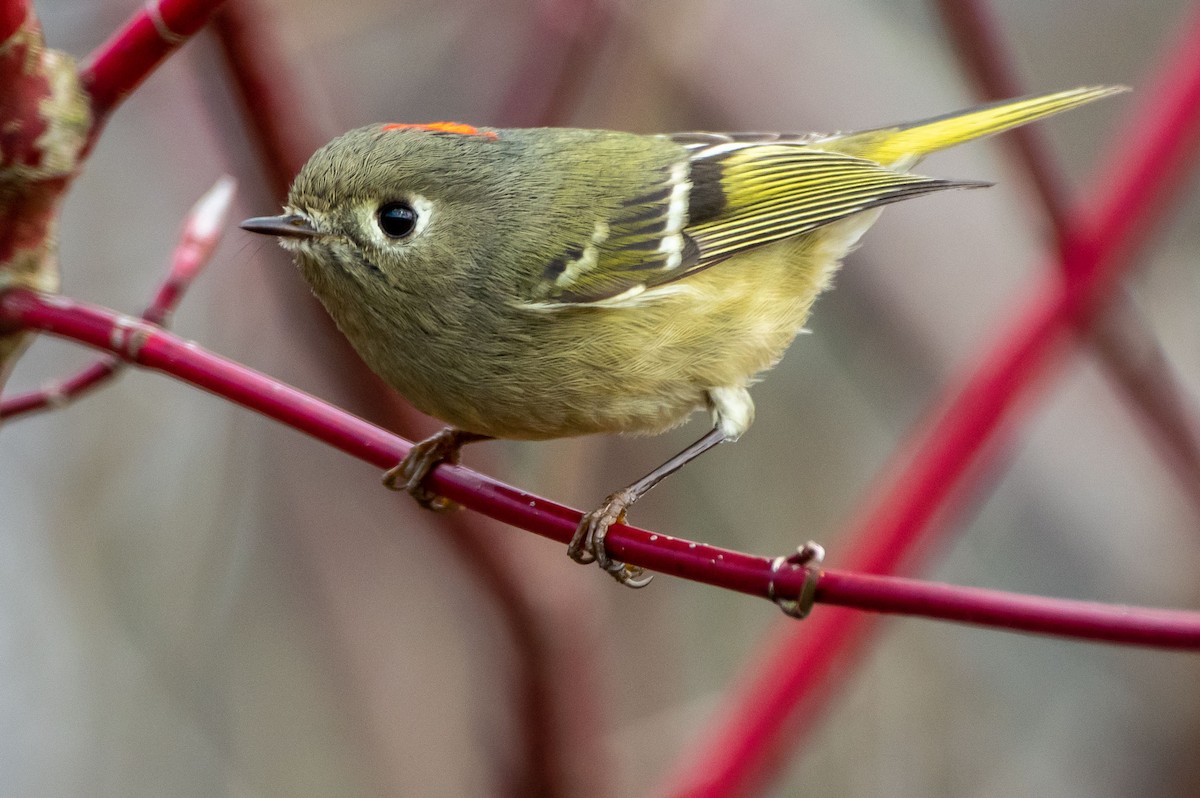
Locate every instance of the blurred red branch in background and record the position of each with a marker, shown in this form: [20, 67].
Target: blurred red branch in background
[1127, 348]
[761, 718]
[1096, 245]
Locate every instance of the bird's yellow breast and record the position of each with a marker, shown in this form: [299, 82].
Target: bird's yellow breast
[650, 364]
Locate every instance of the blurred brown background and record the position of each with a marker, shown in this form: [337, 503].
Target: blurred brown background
[195, 601]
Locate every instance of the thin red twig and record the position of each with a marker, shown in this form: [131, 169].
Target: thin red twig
[1126, 347]
[761, 720]
[154, 32]
[61, 392]
[201, 231]
[1081, 620]
[154, 348]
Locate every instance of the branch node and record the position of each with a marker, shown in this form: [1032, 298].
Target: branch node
[154, 12]
[128, 336]
[56, 395]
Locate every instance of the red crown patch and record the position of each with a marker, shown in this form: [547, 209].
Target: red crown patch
[445, 127]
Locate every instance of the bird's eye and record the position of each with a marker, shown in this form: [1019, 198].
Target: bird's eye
[397, 219]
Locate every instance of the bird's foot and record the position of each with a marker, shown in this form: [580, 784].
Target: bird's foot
[409, 476]
[587, 545]
[809, 558]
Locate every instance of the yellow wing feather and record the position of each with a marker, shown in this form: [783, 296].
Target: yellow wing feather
[904, 145]
[778, 191]
[733, 192]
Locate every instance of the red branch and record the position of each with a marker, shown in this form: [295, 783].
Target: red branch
[201, 231]
[1082, 620]
[761, 720]
[1094, 252]
[154, 348]
[1126, 346]
[132, 53]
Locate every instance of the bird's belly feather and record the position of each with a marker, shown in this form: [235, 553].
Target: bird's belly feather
[639, 370]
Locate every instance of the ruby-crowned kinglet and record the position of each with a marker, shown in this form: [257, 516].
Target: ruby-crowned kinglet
[543, 283]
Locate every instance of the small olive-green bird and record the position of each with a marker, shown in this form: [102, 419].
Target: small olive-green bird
[543, 283]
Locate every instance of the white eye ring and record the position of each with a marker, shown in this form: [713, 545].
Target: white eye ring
[420, 211]
[424, 209]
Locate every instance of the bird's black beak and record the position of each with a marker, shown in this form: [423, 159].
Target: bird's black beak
[289, 226]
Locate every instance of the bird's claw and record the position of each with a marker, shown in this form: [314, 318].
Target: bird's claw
[587, 545]
[409, 476]
[628, 575]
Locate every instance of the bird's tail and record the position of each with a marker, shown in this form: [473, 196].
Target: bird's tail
[904, 145]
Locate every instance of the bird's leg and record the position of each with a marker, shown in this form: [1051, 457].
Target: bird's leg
[443, 446]
[588, 543]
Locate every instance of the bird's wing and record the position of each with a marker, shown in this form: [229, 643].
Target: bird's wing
[727, 193]
[634, 242]
[769, 191]
[904, 145]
